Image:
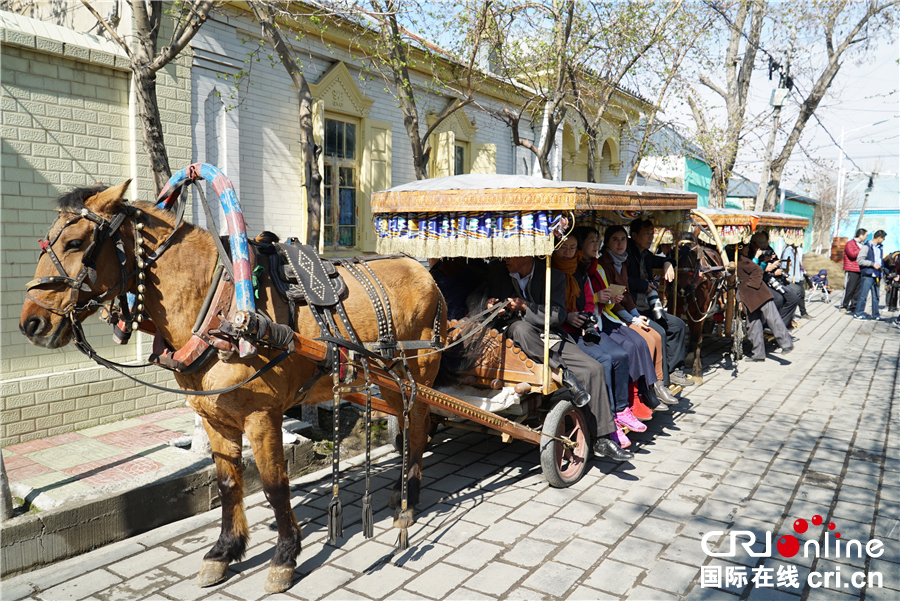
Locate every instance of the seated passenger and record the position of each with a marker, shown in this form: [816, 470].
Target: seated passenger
[567, 259]
[599, 301]
[758, 301]
[613, 260]
[519, 283]
[641, 263]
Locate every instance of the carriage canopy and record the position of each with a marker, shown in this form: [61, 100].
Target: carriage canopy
[508, 215]
[736, 226]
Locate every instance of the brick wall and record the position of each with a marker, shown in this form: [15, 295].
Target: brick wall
[66, 122]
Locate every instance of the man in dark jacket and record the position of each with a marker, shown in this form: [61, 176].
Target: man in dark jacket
[759, 302]
[641, 286]
[520, 282]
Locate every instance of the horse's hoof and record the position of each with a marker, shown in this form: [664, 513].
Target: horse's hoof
[698, 380]
[279, 579]
[211, 572]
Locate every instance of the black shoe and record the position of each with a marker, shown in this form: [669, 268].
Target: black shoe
[806, 316]
[663, 394]
[607, 447]
[678, 377]
[754, 359]
[580, 396]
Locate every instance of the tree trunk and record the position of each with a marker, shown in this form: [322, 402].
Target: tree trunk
[6, 505]
[264, 15]
[718, 189]
[592, 157]
[151, 127]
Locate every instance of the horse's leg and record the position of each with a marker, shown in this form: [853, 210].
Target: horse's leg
[264, 431]
[419, 428]
[697, 368]
[226, 448]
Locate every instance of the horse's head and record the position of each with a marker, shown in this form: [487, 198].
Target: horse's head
[78, 267]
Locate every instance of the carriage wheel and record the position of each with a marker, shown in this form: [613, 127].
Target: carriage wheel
[563, 466]
[737, 333]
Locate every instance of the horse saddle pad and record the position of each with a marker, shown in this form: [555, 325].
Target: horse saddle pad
[312, 278]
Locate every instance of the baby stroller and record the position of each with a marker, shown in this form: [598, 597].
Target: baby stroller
[818, 287]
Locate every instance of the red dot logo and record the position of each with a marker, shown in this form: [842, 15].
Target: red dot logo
[831, 526]
[837, 535]
[800, 526]
[817, 520]
[788, 545]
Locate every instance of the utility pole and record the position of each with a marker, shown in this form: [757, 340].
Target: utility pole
[862, 211]
[779, 96]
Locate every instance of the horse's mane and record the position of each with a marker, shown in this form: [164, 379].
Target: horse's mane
[73, 200]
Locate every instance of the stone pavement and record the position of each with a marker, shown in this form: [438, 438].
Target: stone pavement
[809, 434]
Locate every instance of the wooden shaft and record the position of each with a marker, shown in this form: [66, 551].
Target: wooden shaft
[316, 351]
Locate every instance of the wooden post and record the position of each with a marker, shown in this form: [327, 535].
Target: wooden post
[729, 309]
[546, 372]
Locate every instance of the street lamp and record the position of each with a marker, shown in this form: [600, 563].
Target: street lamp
[840, 190]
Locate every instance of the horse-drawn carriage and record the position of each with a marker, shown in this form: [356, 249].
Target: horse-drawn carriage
[706, 259]
[245, 344]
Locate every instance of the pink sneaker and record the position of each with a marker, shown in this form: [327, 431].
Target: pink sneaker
[620, 438]
[627, 419]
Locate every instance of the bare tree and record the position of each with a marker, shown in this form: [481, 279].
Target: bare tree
[621, 41]
[394, 54]
[146, 61]
[265, 14]
[721, 145]
[538, 67]
[673, 50]
[840, 25]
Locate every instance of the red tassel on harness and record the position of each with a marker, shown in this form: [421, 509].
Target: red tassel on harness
[45, 244]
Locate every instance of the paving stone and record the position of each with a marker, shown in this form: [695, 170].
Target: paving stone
[672, 577]
[581, 553]
[365, 557]
[555, 530]
[321, 582]
[420, 556]
[553, 578]
[495, 578]
[474, 554]
[643, 593]
[143, 562]
[438, 580]
[80, 587]
[528, 552]
[603, 531]
[584, 593]
[505, 532]
[654, 529]
[533, 512]
[486, 514]
[380, 581]
[635, 551]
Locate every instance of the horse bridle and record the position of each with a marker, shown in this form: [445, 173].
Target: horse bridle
[721, 283]
[103, 230]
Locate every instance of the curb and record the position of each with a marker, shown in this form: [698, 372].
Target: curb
[32, 541]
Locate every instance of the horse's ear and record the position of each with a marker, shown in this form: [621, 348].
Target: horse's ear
[110, 201]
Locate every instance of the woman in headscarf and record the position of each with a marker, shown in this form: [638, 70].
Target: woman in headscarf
[567, 259]
[625, 324]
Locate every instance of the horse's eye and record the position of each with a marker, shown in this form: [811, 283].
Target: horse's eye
[73, 244]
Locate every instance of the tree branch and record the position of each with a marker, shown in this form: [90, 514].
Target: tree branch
[112, 32]
[199, 12]
[712, 86]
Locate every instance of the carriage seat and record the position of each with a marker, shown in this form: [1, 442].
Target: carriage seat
[502, 363]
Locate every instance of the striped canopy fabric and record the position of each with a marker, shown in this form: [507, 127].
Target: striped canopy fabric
[508, 215]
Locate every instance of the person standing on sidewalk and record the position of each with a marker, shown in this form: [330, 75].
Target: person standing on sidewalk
[870, 260]
[759, 302]
[851, 270]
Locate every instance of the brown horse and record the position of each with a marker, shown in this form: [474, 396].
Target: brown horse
[176, 285]
[701, 279]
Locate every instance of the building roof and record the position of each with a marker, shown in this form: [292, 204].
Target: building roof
[885, 193]
[741, 187]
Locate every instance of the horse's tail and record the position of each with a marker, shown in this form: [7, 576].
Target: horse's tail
[459, 359]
